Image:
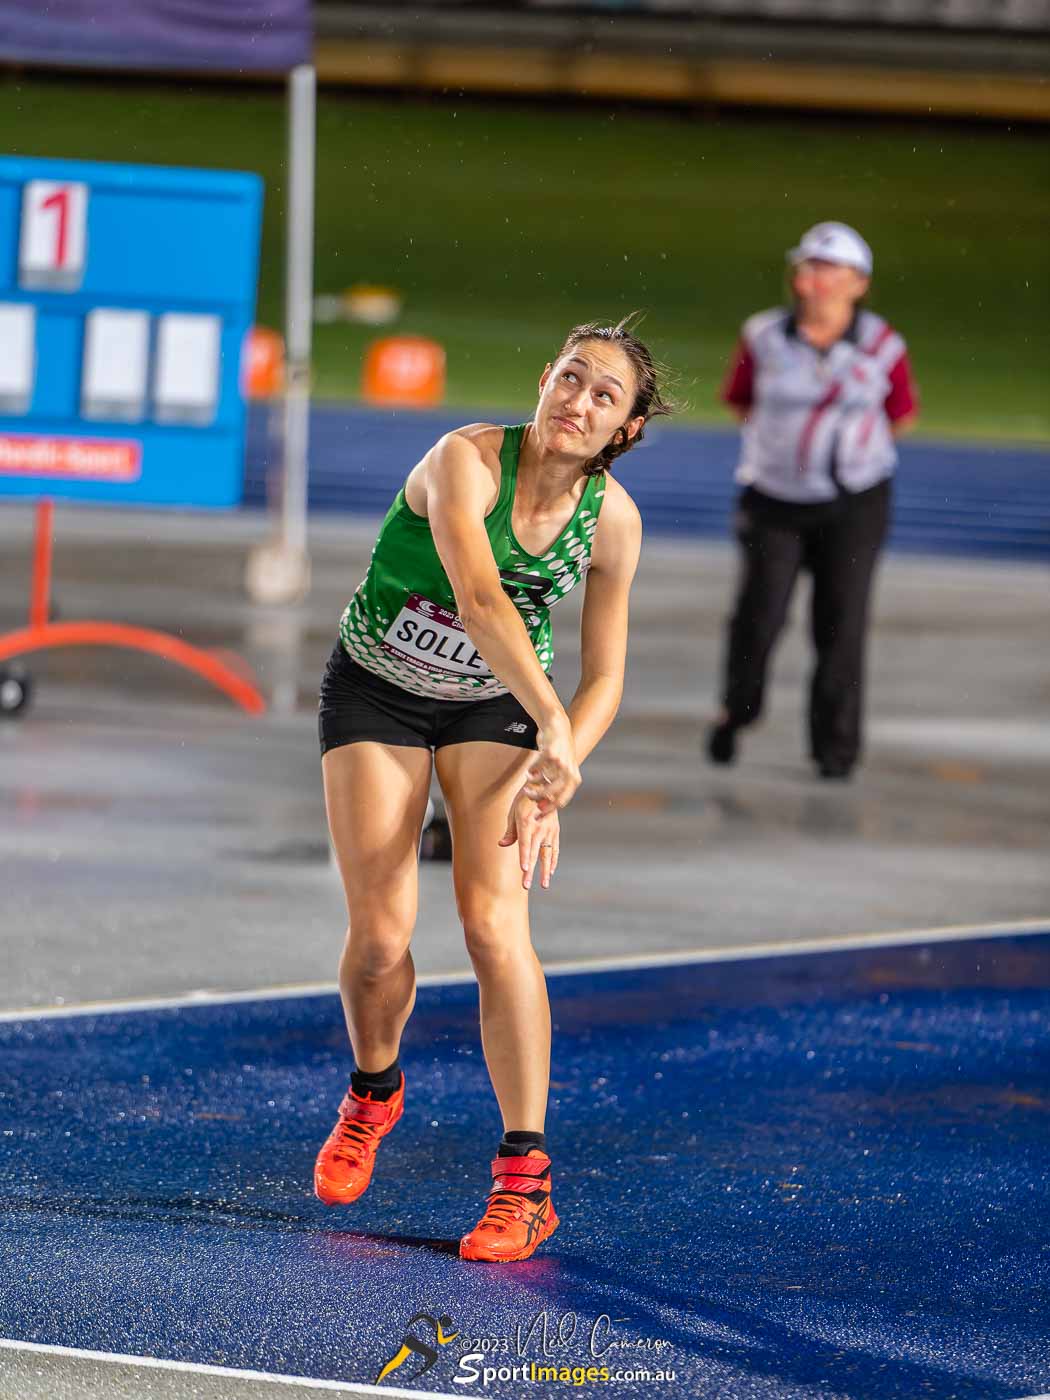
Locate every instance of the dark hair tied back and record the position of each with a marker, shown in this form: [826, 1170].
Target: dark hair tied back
[649, 401]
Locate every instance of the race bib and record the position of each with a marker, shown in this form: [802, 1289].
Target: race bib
[429, 636]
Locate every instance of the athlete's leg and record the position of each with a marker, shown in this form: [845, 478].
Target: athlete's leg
[376, 796]
[479, 781]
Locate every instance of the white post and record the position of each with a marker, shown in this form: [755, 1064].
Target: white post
[299, 278]
[279, 572]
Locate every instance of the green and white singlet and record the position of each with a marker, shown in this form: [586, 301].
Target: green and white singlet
[402, 623]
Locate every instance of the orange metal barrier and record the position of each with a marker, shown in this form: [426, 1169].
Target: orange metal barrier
[42, 634]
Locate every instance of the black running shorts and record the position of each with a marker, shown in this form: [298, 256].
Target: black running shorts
[356, 705]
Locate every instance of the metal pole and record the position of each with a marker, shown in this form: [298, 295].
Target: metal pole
[278, 571]
[299, 275]
[40, 593]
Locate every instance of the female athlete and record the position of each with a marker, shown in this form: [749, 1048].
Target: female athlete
[442, 662]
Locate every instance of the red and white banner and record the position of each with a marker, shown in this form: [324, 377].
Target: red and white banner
[75, 459]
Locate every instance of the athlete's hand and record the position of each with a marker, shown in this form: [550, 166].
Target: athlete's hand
[555, 775]
[538, 837]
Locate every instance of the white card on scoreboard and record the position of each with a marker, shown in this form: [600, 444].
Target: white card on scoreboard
[17, 356]
[116, 365]
[52, 246]
[186, 374]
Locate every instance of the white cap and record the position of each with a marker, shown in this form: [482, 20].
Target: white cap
[837, 243]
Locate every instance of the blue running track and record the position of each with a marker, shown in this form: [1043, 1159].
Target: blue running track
[951, 498]
[803, 1175]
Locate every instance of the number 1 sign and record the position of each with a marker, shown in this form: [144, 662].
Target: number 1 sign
[53, 244]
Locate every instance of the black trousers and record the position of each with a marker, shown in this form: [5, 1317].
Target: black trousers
[838, 542]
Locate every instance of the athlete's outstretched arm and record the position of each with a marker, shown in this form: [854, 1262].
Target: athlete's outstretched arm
[459, 487]
[603, 633]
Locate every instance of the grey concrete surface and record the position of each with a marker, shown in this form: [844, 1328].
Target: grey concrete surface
[153, 840]
[34, 1375]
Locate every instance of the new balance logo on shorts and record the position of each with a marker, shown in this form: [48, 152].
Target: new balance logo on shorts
[516, 728]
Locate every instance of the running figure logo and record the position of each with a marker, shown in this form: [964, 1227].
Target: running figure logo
[445, 1331]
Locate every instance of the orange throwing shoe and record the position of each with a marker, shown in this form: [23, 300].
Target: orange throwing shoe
[344, 1164]
[519, 1215]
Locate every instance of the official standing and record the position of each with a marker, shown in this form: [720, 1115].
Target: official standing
[822, 388]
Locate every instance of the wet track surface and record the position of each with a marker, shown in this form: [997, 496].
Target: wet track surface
[795, 1176]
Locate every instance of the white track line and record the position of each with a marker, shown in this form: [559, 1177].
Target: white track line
[227, 1372]
[903, 937]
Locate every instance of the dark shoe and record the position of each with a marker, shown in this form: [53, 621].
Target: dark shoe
[436, 841]
[836, 771]
[721, 743]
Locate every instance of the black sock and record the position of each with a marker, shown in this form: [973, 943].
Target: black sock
[379, 1083]
[517, 1144]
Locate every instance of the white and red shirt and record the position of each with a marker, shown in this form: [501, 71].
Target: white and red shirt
[818, 422]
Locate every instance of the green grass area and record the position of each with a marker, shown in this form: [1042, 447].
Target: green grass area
[503, 225]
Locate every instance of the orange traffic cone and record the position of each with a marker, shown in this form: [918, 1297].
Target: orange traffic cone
[404, 371]
[263, 363]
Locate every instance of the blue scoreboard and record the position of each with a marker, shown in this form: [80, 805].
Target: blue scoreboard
[126, 295]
